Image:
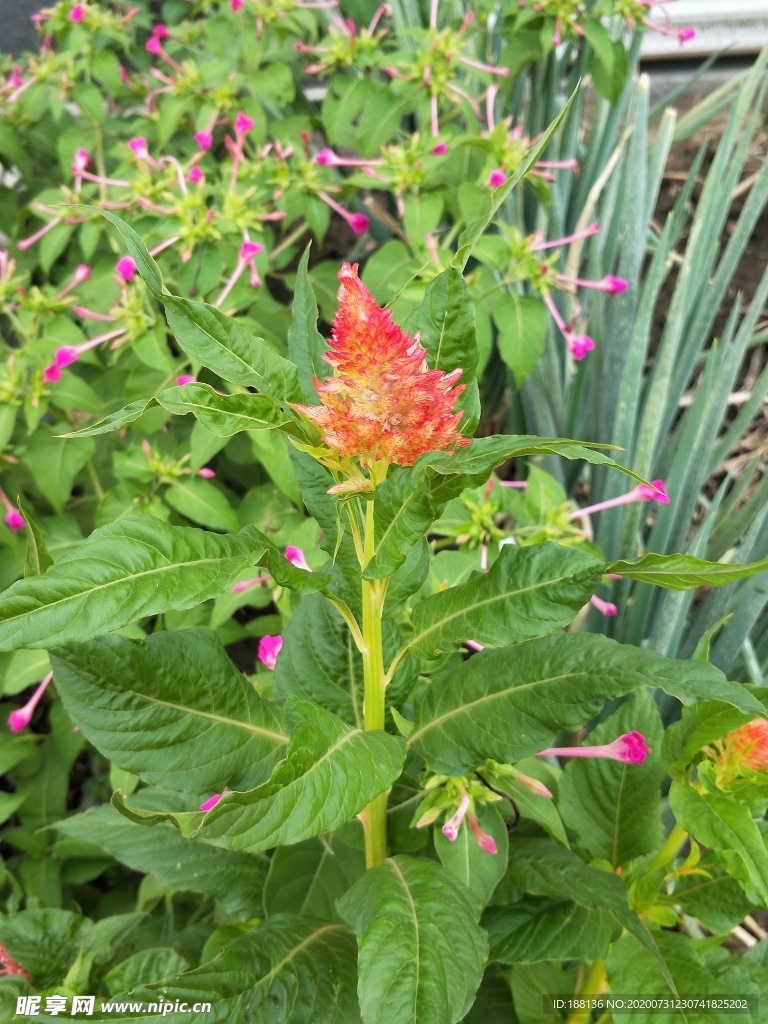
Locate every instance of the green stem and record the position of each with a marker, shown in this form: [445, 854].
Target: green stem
[668, 852]
[592, 984]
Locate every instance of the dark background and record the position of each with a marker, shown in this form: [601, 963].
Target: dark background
[17, 32]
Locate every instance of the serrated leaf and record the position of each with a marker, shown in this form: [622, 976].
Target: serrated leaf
[402, 513]
[45, 941]
[132, 568]
[150, 707]
[223, 415]
[542, 928]
[421, 952]
[234, 879]
[305, 343]
[527, 592]
[329, 773]
[510, 703]
[682, 572]
[309, 877]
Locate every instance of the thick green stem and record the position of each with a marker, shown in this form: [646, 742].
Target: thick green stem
[592, 984]
[668, 852]
[374, 592]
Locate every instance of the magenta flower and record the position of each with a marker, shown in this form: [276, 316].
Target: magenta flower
[235, 5]
[357, 221]
[77, 13]
[643, 492]
[243, 123]
[195, 175]
[486, 842]
[579, 345]
[211, 802]
[138, 146]
[440, 149]
[269, 648]
[186, 378]
[630, 748]
[656, 492]
[126, 268]
[497, 178]
[326, 157]
[296, 557]
[51, 374]
[68, 354]
[243, 585]
[19, 719]
[154, 46]
[685, 35]
[13, 518]
[204, 139]
[161, 31]
[451, 828]
[604, 607]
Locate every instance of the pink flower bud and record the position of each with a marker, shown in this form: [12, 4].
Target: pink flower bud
[154, 46]
[269, 648]
[51, 374]
[451, 828]
[296, 557]
[497, 178]
[161, 31]
[77, 13]
[139, 147]
[359, 223]
[19, 719]
[126, 268]
[604, 607]
[486, 843]
[656, 492]
[186, 378]
[211, 802]
[250, 249]
[14, 521]
[82, 159]
[195, 175]
[206, 474]
[65, 356]
[630, 748]
[243, 123]
[614, 285]
[685, 35]
[326, 157]
[235, 5]
[243, 585]
[82, 272]
[534, 785]
[440, 149]
[579, 345]
[203, 139]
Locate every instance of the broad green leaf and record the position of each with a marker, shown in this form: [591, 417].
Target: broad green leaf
[132, 568]
[544, 868]
[446, 325]
[55, 462]
[37, 559]
[476, 230]
[510, 703]
[421, 952]
[44, 941]
[116, 420]
[682, 572]
[614, 809]
[153, 707]
[309, 877]
[402, 513]
[144, 968]
[527, 592]
[223, 415]
[330, 772]
[223, 345]
[479, 872]
[715, 898]
[201, 501]
[234, 879]
[305, 343]
[522, 331]
[547, 928]
[286, 971]
[722, 824]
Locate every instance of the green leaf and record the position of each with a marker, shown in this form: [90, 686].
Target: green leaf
[614, 808]
[145, 264]
[522, 332]
[284, 572]
[402, 513]
[547, 928]
[116, 420]
[201, 501]
[37, 559]
[446, 323]
[113, 685]
[234, 879]
[719, 822]
[421, 952]
[144, 968]
[510, 703]
[527, 592]
[682, 572]
[330, 772]
[223, 345]
[55, 462]
[476, 230]
[696, 728]
[44, 941]
[223, 415]
[478, 872]
[286, 971]
[132, 568]
[718, 901]
[305, 343]
[309, 877]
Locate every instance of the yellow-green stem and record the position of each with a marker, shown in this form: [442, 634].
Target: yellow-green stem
[668, 852]
[592, 984]
[374, 591]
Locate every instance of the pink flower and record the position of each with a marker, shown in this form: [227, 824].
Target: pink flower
[250, 249]
[154, 46]
[186, 378]
[195, 175]
[65, 356]
[19, 719]
[211, 802]
[269, 648]
[244, 585]
[235, 5]
[604, 607]
[326, 157]
[161, 31]
[630, 748]
[685, 35]
[139, 147]
[440, 149]
[579, 345]
[51, 374]
[82, 159]
[82, 272]
[203, 139]
[14, 520]
[77, 13]
[359, 223]
[243, 123]
[497, 178]
[614, 285]
[656, 492]
[206, 473]
[296, 557]
[451, 828]
[126, 268]
[486, 843]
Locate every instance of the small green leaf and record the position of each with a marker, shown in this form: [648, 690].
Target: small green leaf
[309, 877]
[223, 415]
[37, 559]
[116, 420]
[202, 502]
[305, 343]
[522, 332]
[683, 572]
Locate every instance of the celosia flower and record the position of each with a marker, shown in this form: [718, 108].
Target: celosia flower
[9, 966]
[630, 748]
[19, 719]
[269, 648]
[383, 402]
[746, 747]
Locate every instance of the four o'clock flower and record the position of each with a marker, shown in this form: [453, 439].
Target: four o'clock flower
[68, 354]
[357, 221]
[77, 13]
[656, 491]
[13, 518]
[296, 557]
[384, 403]
[20, 719]
[126, 268]
[211, 802]
[269, 648]
[186, 378]
[630, 748]
[451, 828]
[243, 585]
[204, 139]
[82, 273]
[248, 251]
